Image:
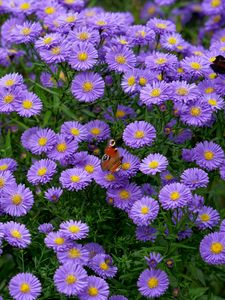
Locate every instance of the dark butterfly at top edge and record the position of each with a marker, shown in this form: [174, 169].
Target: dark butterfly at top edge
[218, 65]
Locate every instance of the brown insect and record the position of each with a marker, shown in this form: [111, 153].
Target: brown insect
[218, 65]
[111, 160]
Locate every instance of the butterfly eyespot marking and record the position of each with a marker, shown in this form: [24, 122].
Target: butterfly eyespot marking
[105, 157]
[112, 143]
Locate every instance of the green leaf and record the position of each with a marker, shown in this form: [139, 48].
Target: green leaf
[47, 117]
[196, 293]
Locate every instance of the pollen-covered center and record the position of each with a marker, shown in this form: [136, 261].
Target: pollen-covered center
[144, 210]
[75, 178]
[124, 194]
[27, 104]
[82, 56]
[195, 65]
[42, 171]
[139, 134]
[155, 93]
[70, 279]
[87, 86]
[182, 91]
[92, 291]
[217, 247]
[204, 217]
[24, 288]
[16, 199]
[153, 282]
[195, 111]
[174, 195]
[74, 253]
[120, 59]
[16, 234]
[209, 155]
[153, 164]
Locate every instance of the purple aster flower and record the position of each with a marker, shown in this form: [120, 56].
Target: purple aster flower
[83, 56]
[24, 286]
[212, 7]
[48, 41]
[158, 61]
[16, 234]
[66, 21]
[161, 26]
[212, 248]
[139, 134]
[8, 164]
[195, 66]
[102, 264]
[171, 41]
[45, 228]
[166, 177]
[26, 136]
[184, 234]
[75, 130]
[174, 195]
[57, 241]
[153, 283]
[194, 178]
[129, 81]
[17, 200]
[42, 140]
[75, 254]
[93, 249]
[214, 101]
[108, 180]
[222, 170]
[155, 93]
[11, 80]
[140, 35]
[207, 87]
[97, 289]
[56, 54]
[87, 87]
[188, 155]
[53, 194]
[130, 164]
[41, 171]
[84, 34]
[63, 147]
[195, 203]
[146, 233]
[74, 230]
[125, 196]
[207, 217]
[8, 98]
[70, 279]
[222, 226]
[153, 260]
[153, 164]
[28, 105]
[149, 10]
[144, 211]
[184, 92]
[74, 179]
[6, 180]
[120, 58]
[148, 190]
[25, 33]
[117, 297]
[98, 130]
[208, 155]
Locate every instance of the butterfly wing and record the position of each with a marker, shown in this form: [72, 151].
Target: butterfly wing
[218, 65]
[111, 160]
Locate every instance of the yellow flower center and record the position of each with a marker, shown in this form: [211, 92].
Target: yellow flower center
[212, 102]
[74, 228]
[70, 19]
[120, 114]
[142, 81]
[83, 36]
[195, 111]
[50, 10]
[124, 194]
[123, 42]
[144, 210]
[82, 56]
[42, 171]
[126, 166]
[16, 199]
[92, 291]
[48, 40]
[198, 53]
[61, 147]
[27, 104]
[101, 23]
[25, 288]
[155, 93]
[151, 10]
[182, 91]
[168, 177]
[110, 177]
[104, 266]
[89, 168]
[180, 70]
[208, 155]
[120, 59]
[9, 82]
[69, 1]
[205, 217]
[161, 60]
[175, 196]
[70, 279]
[74, 253]
[215, 3]
[95, 131]
[25, 6]
[87, 86]
[16, 234]
[172, 40]
[153, 164]
[26, 31]
[179, 47]
[222, 39]
[212, 75]
[42, 141]
[131, 81]
[153, 282]
[8, 98]
[161, 25]
[75, 131]
[195, 65]
[59, 241]
[2, 182]
[56, 50]
[139, 134]
[3, 167]
[209, 90]
[211, 59]
[216, 247]
[75, 178]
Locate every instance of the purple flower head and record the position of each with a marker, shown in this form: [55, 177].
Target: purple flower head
[148, 190]
[188, 155]
[129, 81]
[144, 211]
[153, 164]
[25, 33]
[139, 134]
[28, 105]
[75, 130]
[70, 279]
[222, 226]
[48, 41]
[8, 164]
[149, 10]
[75, 254]
[84, 34]
[174, 195]
[42, 140]
[195, 66]
[97, 289]
[8, 98]
[194, 178]
[66, 21]
[161, 26]
[215, 101]
[158, 61]
[106, 179]
[102, 265]
[130, 164]
[74, 230]
[6, 180]
[153, 260]
[17, 200]
[171, 41]
[26, 136]
[195, 203]
[74, 179]
[87, 87]
[153, 283]
[184, 234]
[98, 130]
[11, 80]
[57, 241]
[93, 249]
[24, 286]
[56, 54]
[207, 217]
[156, 92]
[53, 194]
[146, 233]
[212, 248]
[212, 7]
[184, 92]
[166, 177]
[41, 171]
[16, 234]
[45, 228]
